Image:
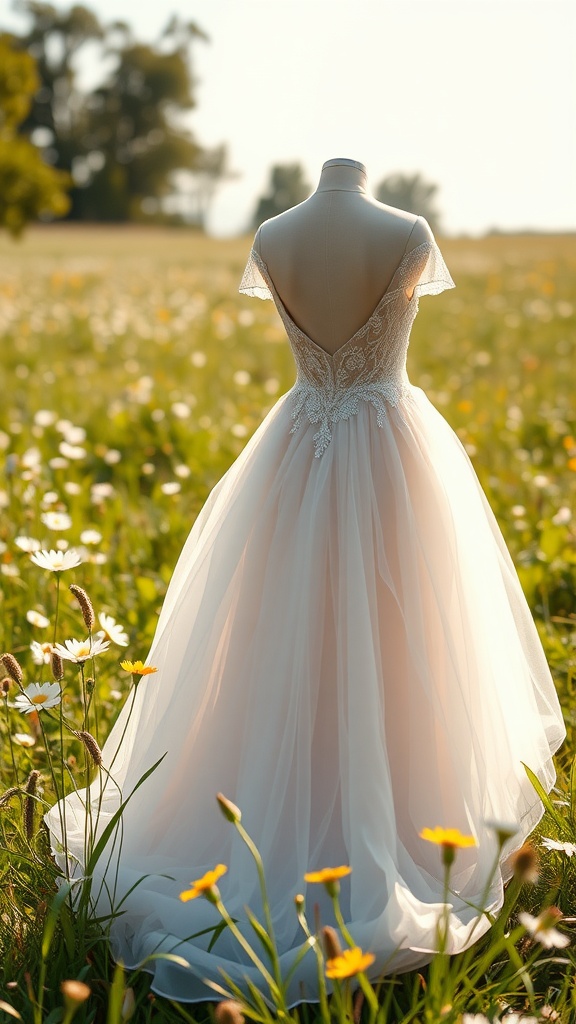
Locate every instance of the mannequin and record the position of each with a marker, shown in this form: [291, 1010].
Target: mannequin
[333, 256]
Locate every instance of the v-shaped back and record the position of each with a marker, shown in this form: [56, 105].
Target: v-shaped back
[371, 365]
[395, 286]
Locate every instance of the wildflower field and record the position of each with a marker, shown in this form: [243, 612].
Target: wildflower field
[132, 376]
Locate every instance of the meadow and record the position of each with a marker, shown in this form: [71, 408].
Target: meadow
[132, 376]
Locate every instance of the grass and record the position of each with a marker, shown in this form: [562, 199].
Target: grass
[133, 374]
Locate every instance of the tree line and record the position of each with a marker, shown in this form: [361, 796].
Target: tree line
[122, 151]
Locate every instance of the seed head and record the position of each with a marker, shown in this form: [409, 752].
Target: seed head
[5, 686]
[228, 1012]
[57, 666]
[332, 947]
[32, 782]
[29, 803]
[74, 992]
[525, 863]
[7, 796]
[85, 605]
[91, 746]
[12, 667]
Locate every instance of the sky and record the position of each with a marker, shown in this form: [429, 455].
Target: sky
[479, 96]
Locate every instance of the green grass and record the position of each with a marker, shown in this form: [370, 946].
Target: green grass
[133, 349]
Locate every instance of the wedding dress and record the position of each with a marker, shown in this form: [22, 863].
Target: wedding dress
[345, 652]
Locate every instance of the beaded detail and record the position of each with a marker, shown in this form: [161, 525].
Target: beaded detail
[371, 365]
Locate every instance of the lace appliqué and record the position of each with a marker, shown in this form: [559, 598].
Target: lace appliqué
[371, 365]
[325, 393]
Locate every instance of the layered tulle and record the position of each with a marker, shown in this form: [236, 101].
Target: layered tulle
[345, 651]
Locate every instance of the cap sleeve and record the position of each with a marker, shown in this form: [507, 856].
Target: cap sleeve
[253, 282]
[427, 271]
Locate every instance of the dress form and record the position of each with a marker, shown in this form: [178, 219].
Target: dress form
[332, 257]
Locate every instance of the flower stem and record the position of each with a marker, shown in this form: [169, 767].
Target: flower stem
[13, 759]
[247, 947]
[340, 921]
[265, 903]
[57, 607]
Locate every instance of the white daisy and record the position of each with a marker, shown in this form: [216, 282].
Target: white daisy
[37, 696]
[45, 417]
[71, 451]
[56, 561]
[56, 520]
[90, 537]
[80, 650]
[518, 1018]
[112, 630]
[37, 619]
[568, 848]
[504, 829]
[41, 653]
[28, 544]
[542, 928]
[23, 739]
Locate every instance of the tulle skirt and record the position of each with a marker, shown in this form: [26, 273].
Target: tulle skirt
[346, 653]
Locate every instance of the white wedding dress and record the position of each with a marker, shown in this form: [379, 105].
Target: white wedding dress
[345, 652]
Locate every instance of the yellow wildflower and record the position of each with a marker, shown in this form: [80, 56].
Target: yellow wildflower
[330, 877]
[351, 962]
[450, 839]
[138, 668]
[328, 874]
[447, 837]
[205, 886]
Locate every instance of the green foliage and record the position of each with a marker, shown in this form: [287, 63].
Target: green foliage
[412, 193]
[287, 188]
[129, 362]
[29, 188]
[124, 142]
[18, 82]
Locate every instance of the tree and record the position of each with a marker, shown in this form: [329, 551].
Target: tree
[287, 188]
[29, 188]
[125, 141]
[132, 125]
[411, 193]
[56, 115]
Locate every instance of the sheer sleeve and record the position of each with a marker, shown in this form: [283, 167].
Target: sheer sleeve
[253, 282]
[427, 272]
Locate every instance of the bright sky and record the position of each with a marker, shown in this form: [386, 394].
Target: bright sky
[477, 95]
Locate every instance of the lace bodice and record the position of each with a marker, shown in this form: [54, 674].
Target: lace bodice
[371, 365]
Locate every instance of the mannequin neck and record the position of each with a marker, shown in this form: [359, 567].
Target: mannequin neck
[342, 175]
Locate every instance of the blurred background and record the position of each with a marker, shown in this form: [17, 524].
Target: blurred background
[218, 115]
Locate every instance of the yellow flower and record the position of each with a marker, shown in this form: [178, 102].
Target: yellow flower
[351, 962]
[450, 839]
[328, 874]
[138, 668]
[205, 886]
[572, 464]
[330, 877]
[447, 837]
